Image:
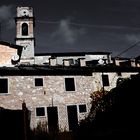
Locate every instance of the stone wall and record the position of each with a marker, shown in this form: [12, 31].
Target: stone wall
[53, 93]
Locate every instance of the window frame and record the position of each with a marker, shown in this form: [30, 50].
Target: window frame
[7, 90]
[74, 84]
[81, 106]
[105, 77]
[39, 108]
[38, 78]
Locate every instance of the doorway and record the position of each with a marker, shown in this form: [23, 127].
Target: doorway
[72, 117]
[52, 119]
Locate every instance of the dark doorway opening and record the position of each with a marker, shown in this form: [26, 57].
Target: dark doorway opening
[52, 119]
[72, 117]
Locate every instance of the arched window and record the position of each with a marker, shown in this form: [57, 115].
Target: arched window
[24, 29]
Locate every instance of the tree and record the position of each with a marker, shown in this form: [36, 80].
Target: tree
[115, 114]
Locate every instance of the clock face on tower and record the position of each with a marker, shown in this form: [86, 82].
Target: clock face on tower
[24, 12]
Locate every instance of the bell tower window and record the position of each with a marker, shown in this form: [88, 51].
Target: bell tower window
[24, 29]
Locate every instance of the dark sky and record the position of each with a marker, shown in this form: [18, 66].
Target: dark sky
[78, 25]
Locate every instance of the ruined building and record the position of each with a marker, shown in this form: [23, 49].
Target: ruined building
[56, 87]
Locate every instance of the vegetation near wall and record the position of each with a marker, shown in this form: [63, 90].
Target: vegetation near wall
[41, 133]
[115, 114]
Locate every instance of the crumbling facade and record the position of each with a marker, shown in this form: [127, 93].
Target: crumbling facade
[55, 87]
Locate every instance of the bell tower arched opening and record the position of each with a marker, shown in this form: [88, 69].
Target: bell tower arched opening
[24, 29]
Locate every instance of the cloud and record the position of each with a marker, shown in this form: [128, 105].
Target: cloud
[133, 37]
[5, 12]
[67, 33]
[6, 16]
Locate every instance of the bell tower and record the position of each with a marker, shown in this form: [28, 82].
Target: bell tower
[25, 33]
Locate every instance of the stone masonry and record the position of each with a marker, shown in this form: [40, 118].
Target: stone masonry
[53, 93]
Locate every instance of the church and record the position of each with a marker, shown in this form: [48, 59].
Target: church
[56, 87]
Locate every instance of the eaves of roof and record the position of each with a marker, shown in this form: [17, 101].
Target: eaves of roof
[73, 53]
[10, 45]
[62, 70]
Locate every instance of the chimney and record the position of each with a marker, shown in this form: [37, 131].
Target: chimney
[133, 62]
[66, 62]
[52, 61]
[82, 62]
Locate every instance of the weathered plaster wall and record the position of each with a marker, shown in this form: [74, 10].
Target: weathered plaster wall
[6, 54]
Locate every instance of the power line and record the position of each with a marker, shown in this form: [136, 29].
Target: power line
[132, 46]
[87, 25]
[70, 23]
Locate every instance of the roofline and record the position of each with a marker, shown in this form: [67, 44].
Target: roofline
[38, 70]
[121, 58]
[11, 45]
[71, 53]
